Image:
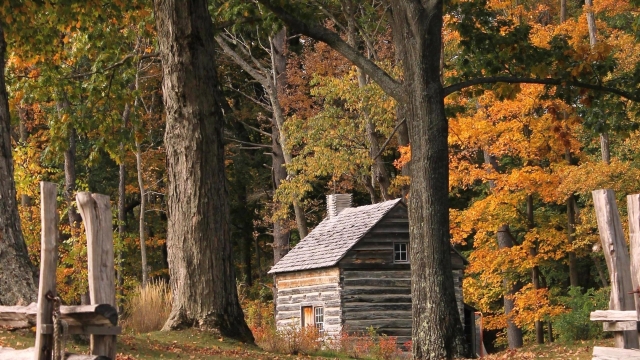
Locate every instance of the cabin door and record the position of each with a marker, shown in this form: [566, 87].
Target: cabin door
[307, 316]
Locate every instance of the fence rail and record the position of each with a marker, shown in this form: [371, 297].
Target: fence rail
[100, 319]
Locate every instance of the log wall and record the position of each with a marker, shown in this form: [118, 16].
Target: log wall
[309, 288]
[376, 291]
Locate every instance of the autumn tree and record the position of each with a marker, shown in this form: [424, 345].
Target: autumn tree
[200, 261]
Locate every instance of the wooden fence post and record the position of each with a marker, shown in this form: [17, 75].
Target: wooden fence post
[617, 257]
[48, 261]
[95, 210]
[633, 208]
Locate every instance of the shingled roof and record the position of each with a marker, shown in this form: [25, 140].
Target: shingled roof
[333, 237]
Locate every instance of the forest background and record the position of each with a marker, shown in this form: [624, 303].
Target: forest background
[85, 97]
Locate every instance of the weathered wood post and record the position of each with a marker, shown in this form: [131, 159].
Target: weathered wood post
[617, 257]
[633, 208]
[95, 210]
[48, 264]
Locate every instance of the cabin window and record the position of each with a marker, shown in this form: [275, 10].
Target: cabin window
[400, 253]
[319, 318]
[313, 316]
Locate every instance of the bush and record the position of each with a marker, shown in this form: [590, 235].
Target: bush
[148, 308]
[369, 345]
[575, 324]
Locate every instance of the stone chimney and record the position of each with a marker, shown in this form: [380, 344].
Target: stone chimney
[336, 203]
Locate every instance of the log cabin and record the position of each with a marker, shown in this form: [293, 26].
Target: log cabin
[352, 272]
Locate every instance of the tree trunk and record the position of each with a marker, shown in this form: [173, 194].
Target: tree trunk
[23, 113]
[280, 231]
[70, 178]
[122, 214]
[143, 197]
[591, 23]
[563, 11]
[17, 275]
[143, 208]
[437, 329]
[514, 333]
[535, 271]
[201, 266]
[275, 87]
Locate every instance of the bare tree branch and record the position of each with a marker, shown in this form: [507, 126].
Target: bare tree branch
[113, 66]
[222, 41]
[389, 138]
[256, 129]
[248, 143]
[388, 84]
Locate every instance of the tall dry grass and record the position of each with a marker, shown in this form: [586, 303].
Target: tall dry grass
[148, 308]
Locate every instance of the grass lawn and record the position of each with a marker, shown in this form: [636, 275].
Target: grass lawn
[187, 344]
[193, 344]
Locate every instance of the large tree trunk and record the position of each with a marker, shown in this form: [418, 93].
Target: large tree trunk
[437, 329]
[17, 276]
[514, 333]
[201, 266]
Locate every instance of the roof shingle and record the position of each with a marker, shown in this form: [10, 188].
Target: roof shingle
[332, 238]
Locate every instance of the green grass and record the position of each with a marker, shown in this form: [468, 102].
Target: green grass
[194, 344]
[186, 344]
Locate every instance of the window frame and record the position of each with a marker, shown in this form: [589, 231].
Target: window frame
[316, 315]
[400, 251]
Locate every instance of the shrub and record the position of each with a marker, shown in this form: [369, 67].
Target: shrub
[575, 324]
[148, 308]
[370, 345]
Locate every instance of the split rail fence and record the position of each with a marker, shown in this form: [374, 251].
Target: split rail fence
[53, 321]
[623, 315]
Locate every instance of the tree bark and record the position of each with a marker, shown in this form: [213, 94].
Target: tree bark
[200, 259]
[17, 275]
[437, 329]
[514, 333]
